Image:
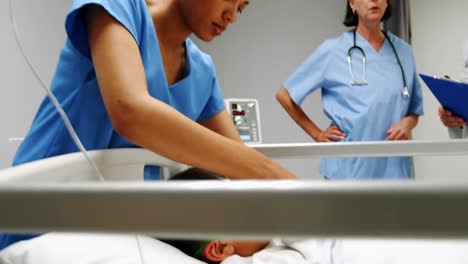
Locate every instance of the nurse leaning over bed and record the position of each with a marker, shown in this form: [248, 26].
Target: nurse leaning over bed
[370, 92]
[129, 76]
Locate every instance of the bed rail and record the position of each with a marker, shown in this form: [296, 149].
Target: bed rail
[244, 209]
[115, 165]
[35, 198]
[366, 149]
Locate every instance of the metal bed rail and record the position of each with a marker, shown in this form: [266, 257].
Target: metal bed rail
[47, 195]
[240, 209]
[366, 149]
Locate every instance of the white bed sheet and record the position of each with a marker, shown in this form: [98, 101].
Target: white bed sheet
[312, 251]
[356, 251]
[79, 248]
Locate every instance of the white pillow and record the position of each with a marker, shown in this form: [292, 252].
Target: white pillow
[79, 248]
[372, 251]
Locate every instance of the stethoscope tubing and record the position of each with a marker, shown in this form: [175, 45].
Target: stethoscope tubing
[405, 91]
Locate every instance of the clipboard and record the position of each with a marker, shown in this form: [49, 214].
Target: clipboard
[452, 95]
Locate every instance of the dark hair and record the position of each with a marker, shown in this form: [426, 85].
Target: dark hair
[196, 174]
[351, 19]
[191, 247]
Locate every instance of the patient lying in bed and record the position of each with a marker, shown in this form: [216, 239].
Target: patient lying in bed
[278, 251]
[319, 251]
[217, 251]
[74, 248]
[212, 251]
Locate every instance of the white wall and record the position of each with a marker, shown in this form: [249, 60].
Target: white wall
[40, 25]
[439, 28]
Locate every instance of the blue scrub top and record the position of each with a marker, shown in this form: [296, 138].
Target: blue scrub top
[364, 113]
[197, 95]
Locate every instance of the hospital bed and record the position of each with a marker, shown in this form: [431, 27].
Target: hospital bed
[62, 194]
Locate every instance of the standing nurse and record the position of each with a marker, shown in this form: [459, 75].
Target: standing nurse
[370, 92]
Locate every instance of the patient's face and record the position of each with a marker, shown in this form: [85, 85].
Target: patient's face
[219, 250]
[248, 248]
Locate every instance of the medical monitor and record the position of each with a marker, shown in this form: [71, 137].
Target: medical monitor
[245, 115]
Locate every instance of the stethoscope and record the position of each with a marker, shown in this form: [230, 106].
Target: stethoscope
[364, 80]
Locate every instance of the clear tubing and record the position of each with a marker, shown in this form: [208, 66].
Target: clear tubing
[51, 96]
[62, 113]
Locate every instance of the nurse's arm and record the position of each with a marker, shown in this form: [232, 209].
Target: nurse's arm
[402, 129]
[154, 125]
[300, 117]
[222, 124]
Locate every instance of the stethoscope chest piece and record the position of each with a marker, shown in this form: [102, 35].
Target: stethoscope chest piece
[406, 92]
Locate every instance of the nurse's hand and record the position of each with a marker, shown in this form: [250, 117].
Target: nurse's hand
[332, 133]
[402, 129]
[398, 132]
[450, 120]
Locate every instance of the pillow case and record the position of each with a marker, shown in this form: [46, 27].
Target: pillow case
[86, 248]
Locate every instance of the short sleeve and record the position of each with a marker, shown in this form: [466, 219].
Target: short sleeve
[455, 133]
[309, 76]
[127, 12]
[215, 102]
[416, 104]
[464, 75]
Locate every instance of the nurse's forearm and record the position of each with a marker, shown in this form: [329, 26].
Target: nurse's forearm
[411, 121]
[160, 128]
[297, 114]
[223, 125]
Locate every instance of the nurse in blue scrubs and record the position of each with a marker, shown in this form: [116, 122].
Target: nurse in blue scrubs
[128, 76]
[364, 101]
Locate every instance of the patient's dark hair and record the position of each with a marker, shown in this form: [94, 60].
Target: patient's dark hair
[351, 19]
[196, 174]
[190, 247]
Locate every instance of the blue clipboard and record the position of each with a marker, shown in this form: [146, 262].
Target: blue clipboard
[452, 95]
